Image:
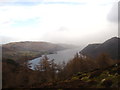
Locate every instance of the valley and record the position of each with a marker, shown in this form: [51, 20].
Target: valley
[94, 66]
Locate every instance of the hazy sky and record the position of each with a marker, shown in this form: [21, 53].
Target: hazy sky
[59, 21]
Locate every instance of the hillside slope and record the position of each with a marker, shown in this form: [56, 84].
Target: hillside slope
[108, 78]
[28, 50]
[17, 76]
[110, 47]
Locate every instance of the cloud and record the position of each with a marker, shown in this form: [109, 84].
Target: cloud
[113, 14]
[36, 2]
[20, 2]
[6, 39]
[61, 29]
[26, 22]
[70, 2]
[59, 20]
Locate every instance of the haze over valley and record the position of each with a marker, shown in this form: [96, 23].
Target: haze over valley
[60, 44]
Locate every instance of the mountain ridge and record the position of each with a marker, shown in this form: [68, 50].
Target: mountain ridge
[109, 47]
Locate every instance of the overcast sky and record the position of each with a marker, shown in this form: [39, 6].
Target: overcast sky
[58, 21]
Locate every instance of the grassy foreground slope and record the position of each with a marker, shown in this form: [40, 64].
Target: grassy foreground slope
[71, 75]
[106, 78]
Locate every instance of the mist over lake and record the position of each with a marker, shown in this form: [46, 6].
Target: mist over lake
[59, 57]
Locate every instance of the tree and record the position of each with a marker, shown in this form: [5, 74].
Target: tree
[53, 69]
[104, 60]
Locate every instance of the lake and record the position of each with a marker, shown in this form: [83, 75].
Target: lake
[59, 57]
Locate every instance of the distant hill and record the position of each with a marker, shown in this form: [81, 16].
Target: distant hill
[32, 46]
[29, 50]
[109, 47]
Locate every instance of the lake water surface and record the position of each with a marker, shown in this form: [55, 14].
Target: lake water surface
[59, 57]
